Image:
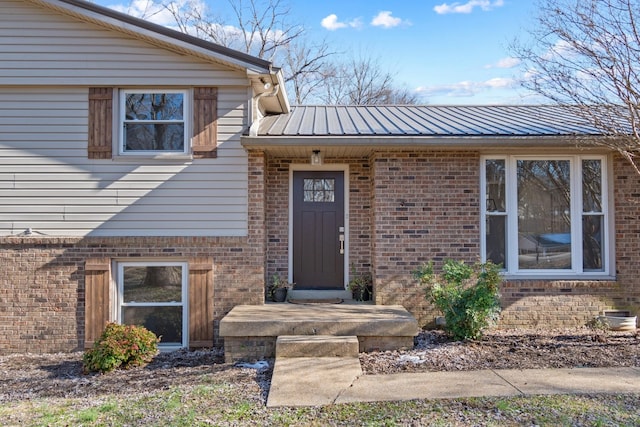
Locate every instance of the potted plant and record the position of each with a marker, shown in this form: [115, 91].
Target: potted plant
[278, 289]
[360, 285]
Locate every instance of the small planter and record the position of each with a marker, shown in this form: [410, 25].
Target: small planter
[280, 295]
[368, 293]
[362, 294]
[619, 320]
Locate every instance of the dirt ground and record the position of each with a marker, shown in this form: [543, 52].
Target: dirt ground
[60, 375]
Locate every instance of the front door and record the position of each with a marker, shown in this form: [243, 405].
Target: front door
[318, 230]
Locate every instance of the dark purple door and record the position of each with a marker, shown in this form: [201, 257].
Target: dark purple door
[318, 230]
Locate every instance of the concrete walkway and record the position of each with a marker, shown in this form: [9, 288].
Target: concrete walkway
[325, 381]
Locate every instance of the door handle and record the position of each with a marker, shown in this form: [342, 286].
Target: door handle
[341, 238]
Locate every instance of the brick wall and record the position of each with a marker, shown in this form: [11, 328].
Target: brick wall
[277, 216]
[627, 235]
[425, 207]
[42, 290]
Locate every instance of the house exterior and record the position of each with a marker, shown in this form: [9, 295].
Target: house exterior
[148, 176]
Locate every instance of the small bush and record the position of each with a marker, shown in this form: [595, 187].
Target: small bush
[467, 295]
[121, 346]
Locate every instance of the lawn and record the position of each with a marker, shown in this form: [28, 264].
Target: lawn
[213, 400]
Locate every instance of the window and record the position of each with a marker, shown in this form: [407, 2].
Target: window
[153, 294]
[153, 122]
[319, 190]
[546, 216]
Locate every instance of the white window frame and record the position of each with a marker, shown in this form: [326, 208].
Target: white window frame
[184, 303]
[512, 270]
[186, 114]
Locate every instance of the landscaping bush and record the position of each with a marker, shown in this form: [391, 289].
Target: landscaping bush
[467, 295]
[121, 346]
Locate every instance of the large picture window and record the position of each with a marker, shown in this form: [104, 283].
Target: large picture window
[153, 122]
[546, 216]
[153, 294]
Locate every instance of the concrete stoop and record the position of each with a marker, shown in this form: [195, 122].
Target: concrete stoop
[250, 332]
[300, 380]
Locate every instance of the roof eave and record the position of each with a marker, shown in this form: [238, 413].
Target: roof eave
[405, 141]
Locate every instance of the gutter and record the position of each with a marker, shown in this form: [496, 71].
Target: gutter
[405, 141]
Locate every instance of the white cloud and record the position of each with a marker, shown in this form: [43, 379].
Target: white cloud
[331, 23]
[466, 88]
[384, 19]
[467, 7]
[508, 62]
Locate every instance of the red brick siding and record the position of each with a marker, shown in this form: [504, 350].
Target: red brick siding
[627, 235]
[425, 208]
[42, 291]
[277, 216]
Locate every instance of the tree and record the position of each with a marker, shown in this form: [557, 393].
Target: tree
[585, 55]
[260, 28]
[361, 81]
[306, 69]
[311, 70]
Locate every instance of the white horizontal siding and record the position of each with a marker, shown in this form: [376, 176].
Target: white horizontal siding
[48, 184]
[41, 47]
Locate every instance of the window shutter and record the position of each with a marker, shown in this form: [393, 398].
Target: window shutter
[205, 126]
[97, 305]
[100, 126]
[201, 302]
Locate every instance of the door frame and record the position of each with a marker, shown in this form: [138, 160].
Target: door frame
[333, 167]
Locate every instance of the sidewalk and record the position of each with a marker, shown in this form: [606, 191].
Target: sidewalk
[314, 382]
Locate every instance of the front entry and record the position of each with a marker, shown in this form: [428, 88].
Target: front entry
[318, 230]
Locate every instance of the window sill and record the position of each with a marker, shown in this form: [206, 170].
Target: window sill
[560, 277]
[154, 157]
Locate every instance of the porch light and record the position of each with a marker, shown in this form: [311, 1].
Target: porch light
[316, 158]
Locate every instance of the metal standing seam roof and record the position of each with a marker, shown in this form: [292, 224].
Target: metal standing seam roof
[436, 121]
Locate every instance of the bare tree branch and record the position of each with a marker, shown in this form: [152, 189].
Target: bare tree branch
[311, 70]
[585, 55]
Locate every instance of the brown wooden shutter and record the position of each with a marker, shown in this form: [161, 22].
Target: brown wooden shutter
[97, 304]
[100, 122]
[201, 302]
[205, 125]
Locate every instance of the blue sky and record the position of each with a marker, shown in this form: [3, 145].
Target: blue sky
[451, 52]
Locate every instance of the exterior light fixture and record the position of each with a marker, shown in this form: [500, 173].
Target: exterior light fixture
[316, 158]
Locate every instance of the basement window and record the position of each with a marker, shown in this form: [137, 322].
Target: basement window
[152, 294]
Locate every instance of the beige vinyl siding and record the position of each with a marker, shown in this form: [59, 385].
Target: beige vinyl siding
[41, 47]
[48, 184]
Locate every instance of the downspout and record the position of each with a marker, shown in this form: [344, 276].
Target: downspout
[253, 130]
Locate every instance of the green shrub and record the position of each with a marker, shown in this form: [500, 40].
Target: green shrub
[467, 295]
[121, 346]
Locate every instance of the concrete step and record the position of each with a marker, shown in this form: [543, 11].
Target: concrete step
[328, 295]
[316, 346]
